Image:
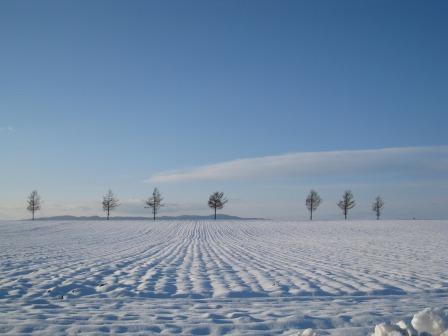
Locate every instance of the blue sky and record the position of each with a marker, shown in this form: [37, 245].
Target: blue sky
[114, 94]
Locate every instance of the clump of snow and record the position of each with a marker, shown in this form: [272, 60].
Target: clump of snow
[428, 322]
[307, 332]
[410, 331]
[386, 329]
[431, 321]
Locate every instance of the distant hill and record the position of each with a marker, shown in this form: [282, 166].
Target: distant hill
[124, 218]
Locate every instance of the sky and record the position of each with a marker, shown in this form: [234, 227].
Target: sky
[263, 100]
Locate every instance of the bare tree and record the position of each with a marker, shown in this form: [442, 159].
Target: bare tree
[217, 201]
[33, 202]
[347, 202]
[378, 206]
[312, 202]
[155, 202]
[110, 202]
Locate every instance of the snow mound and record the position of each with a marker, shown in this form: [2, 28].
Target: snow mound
[386, 329]
[431, 321]
[428, 322]
[307, 332]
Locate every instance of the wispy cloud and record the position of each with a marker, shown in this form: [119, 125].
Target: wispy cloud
[389, 160]
[8, 129]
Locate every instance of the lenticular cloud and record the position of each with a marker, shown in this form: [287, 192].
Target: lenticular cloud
[386, 160]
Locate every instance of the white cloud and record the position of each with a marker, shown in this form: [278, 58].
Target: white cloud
[349, 162]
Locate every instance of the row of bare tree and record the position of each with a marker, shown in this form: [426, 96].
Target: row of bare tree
[216, 201]
[110, 202]
[155, 202]
[346, 203]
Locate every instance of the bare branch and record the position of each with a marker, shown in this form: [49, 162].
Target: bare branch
[33, 203]
[155, 202]
[110, 202]
[378, 206]
[312, 202]
[347, 202]
[217, 201]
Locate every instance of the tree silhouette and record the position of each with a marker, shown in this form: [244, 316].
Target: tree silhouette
[110, 202]
[378, 206]
[154, 202]
[312, 202]
[217, 201]
[34, 203]
[347, 202]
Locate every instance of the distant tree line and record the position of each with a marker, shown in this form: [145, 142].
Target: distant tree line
[216, 201]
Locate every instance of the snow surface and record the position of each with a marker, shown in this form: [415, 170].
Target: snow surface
[223, 277]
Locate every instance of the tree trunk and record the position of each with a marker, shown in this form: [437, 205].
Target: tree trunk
[33, 214]
[215, 213]
[311, 214]
[154, 215]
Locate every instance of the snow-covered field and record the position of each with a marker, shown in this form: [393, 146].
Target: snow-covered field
[224, 277]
